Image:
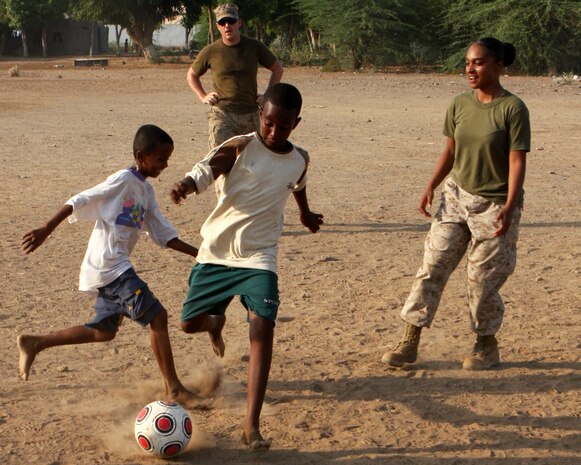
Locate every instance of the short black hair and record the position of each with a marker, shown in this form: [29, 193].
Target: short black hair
[148, 137]
[284, 95]
[501, 51]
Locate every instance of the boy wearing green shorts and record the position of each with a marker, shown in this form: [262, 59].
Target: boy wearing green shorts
[254, 176]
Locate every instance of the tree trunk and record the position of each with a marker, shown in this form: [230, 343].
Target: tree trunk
[142, 35]
[311, 40]
[44, 42]
[291, 32]
[92, 39]
[210, 25]
[151, 54]
[118, 31]
[357, 58]
[24, 44]
[315, 39]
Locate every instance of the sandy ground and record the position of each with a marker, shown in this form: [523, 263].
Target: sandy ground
[374, 140]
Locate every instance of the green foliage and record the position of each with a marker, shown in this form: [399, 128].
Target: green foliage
[341, 34]
[546, 33]
[202, 33]
[192, 12]
[268, 20]
[4, 18]
[30, 14]
[369, 32]
[334, 65]
[106, 11]
[141, 18]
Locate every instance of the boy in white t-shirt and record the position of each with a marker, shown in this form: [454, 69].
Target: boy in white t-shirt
[254, 176]
[123, 206]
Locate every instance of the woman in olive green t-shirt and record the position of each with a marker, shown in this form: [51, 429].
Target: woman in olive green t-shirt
[484, 160]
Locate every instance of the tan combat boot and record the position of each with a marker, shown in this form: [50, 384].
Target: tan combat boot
[407, 350]
[484, 355]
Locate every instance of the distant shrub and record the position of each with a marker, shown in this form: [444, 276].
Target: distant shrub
[566, 79]
[333, 65]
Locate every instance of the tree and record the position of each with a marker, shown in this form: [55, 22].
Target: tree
[546, 33]
[27, 15]
[192, 14]
[144, 17]
[365, 29]
[109, 12]
[268, 19]
[4, 25]
[139, 17]
[88, 11]
[206, 32]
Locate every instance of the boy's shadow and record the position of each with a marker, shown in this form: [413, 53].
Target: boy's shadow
[428, 398]
[389, 455]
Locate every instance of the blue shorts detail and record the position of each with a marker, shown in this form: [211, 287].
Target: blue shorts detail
[212, 288]
[127, 296]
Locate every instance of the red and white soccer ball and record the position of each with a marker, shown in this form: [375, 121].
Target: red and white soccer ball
[163, 428]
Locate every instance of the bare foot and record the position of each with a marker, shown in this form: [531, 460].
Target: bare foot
[184, 397]
[215, 333]
[255, 441]
[28, 352]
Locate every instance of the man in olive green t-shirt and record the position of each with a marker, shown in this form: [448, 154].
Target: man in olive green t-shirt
[234, 61]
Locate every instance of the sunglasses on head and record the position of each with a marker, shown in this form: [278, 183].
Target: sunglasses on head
[225, 21]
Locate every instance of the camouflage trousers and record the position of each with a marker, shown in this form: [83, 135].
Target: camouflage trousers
[224, 125]
[464, 222]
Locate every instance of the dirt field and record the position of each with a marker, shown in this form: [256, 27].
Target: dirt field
[374, 140]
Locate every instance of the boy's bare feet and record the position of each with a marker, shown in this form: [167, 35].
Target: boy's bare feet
[28, 352]
[184, 397]
[215, 333]
[255, 441]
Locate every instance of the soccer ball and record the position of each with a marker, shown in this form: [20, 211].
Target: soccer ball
[163, 428]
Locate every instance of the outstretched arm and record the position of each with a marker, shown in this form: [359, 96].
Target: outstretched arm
[309, 219]
[181, 246]
[32, 240]
[443, 167]
[517, 163]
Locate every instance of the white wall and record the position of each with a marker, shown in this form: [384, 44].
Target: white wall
[169, 35]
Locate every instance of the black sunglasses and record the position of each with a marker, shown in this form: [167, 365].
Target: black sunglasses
[225, 21]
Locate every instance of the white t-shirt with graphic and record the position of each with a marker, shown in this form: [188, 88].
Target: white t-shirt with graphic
[123, 206]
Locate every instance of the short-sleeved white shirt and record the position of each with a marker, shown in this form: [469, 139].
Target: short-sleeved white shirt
[244, 229]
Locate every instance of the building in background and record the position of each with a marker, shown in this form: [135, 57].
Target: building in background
[64, 37]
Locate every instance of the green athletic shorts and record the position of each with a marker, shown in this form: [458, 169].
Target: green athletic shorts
[212, 288]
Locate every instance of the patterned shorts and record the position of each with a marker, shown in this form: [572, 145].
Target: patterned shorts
[225, 125]
[127, 296]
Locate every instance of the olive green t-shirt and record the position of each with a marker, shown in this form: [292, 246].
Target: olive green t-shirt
[234, 69]
[484, 135]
